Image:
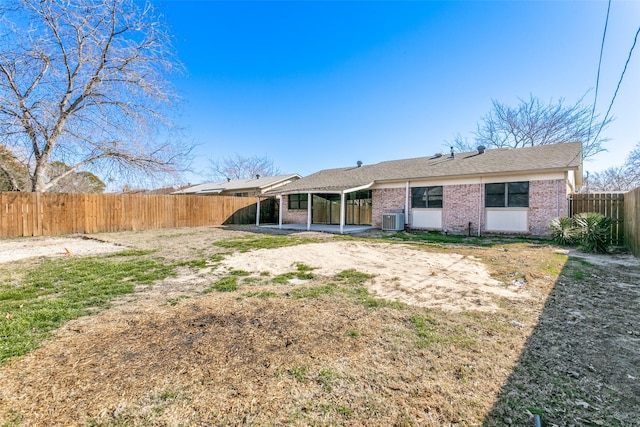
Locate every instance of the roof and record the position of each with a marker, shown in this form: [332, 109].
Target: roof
[261, 184]
[553, 157]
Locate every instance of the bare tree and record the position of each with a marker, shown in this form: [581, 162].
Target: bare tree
[76, 182]
[632, 166]
[612, 179]
[534, 122]
[620, 178]
[13, 174]
[241, 167]
[84, 83]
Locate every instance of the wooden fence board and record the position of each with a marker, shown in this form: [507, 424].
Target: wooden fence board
[610, 205]
[632, 220]
[48, 214]
[24, 214]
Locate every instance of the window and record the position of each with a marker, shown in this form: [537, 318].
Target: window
[298, 201]
[426, 197]
[246, 194]
[507, 195]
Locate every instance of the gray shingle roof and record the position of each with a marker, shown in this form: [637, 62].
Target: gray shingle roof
[565, 156]
[237, 185]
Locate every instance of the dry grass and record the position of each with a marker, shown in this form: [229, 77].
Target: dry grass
[321, 353]
[224, 360]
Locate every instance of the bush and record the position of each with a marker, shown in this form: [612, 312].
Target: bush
[593, 229]
[589, 230]
[563, 231]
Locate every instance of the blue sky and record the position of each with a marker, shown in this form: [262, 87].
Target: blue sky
[322, 84]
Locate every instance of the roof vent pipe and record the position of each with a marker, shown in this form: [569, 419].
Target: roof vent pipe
[452, 155]
[228, 179]
[257, 176]
[359, 163]
[481, 149]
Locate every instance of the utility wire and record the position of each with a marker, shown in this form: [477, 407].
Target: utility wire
[635, 40]
[595, 99]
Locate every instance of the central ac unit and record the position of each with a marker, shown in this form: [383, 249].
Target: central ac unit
[393, 221]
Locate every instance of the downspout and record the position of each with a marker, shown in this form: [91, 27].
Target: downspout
[480, 207]
[280, 211]
[557, 199]
[406, 205]
[342, 212]
[258, 212]
[308, 211]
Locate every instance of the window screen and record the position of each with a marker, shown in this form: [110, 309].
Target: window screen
[518, 193]
[298, 201]
[507, 195]
[426, 197]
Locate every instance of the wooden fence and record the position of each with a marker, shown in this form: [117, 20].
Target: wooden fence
[608, 204]
[632, 220]
[50, 214]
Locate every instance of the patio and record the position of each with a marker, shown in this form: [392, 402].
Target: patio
[325, 228]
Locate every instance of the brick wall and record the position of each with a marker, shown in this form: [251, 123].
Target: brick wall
[547, 200]
[386, 200]
[293, 216]
[460, 206]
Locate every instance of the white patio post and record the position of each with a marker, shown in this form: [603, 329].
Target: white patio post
[258, 212]
[342, 212]
[308, 211]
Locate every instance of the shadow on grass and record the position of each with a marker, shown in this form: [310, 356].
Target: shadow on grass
[581, 365]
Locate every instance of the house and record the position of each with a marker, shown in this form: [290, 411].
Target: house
[509, 191]
[253, 187]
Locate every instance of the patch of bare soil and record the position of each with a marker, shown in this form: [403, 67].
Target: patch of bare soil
[581, 366]
[20, 249]
[487, 338]
[403, 272]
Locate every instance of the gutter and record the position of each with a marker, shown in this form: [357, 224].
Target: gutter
[477, 175]
[362, 187]
[322, 190]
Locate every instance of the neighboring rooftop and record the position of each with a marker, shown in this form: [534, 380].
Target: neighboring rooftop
[260, 184]
[555, 157]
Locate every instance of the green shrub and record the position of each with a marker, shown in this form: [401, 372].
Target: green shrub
[593, 230]
[589, 230]
[563, 231]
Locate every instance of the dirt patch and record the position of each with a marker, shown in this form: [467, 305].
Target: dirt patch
[183, 244]
[581, 366]
[52, 247]
[489, 336]
[403, 273]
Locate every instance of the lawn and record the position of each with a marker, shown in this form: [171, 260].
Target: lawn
[224, 327]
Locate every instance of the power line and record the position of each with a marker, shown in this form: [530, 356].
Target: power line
[595, 99]
[635, 40]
